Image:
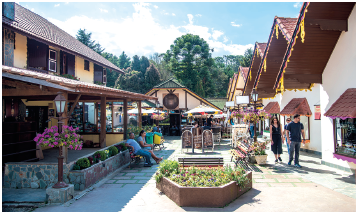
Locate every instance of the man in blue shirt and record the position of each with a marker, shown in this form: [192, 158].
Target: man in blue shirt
[294, 130]
[136, 148]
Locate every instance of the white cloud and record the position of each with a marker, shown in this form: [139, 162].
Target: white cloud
[33, 9]
[56, 5]
[297, 4]
[190, 17]
[173, 14]
[217, 34]
[198, 15]
[166, 13]
[235, 25]
[109, 33]
[66, 2]
[225, 39]
[103, 10]
[155, 6]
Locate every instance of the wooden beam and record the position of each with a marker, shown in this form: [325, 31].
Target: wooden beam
[125, 119]
[305, 78]
[102, 136]
[328, 24]
[139, 114]
[186, 100]
[28, 92]
[74, 104]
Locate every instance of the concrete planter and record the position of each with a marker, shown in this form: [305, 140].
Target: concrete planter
[261, 159]
[85, 178]
[202, 196]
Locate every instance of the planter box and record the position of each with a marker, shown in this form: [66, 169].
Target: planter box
[261, 159]
[202, 196]
[85, 178]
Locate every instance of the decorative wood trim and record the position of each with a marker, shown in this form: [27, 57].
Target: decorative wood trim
[102, 136]
[125, 119]
[186, 100]
[74, 104]
[139, 114]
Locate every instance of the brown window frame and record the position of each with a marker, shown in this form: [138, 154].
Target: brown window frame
[86, 65]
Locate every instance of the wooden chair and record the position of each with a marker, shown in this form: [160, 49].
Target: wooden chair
[187, 140]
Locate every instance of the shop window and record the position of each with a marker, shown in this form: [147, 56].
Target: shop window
[345, 137]
[305, 121]
[52, 60]
[86, 65]
[76, 119]
[89, 117]
[108, 116]
[118, 117]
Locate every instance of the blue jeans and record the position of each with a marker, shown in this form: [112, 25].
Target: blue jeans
[145, 154]
[287, 145]
[294, 147]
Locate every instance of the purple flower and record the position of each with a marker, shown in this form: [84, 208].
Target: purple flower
[66, 136]
[56, 134]
[76, 140]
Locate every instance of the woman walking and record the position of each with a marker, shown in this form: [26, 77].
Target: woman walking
[277, 138]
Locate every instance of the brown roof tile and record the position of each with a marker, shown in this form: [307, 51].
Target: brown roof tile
[287, 25]
[272, 108]
[68, 82]
[39, 27]
[244, 71]
[297, 106]
[261, 48]
[345, 106]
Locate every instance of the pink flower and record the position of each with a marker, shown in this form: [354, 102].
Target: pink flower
[56, 134]
[76, 140]
[55, 143]
[65, 143]
[77, 128]
[66, 136]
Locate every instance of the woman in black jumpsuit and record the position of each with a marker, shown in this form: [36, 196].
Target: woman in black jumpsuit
[277, 138]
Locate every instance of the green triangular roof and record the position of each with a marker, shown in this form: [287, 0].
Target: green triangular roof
[219, 102]
[170, 83]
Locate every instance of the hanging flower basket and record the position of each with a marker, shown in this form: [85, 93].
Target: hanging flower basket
[158, 117]
[67, 138]
[251, 116]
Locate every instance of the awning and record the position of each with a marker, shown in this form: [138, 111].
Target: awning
[272, 108]
[344, 107]
[297, 106]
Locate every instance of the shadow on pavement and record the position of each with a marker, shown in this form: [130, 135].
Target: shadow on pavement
[350, 179]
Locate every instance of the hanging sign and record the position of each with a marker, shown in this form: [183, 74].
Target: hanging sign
[317, 112]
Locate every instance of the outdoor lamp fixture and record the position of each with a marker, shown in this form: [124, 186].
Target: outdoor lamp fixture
[60, 104]
[254, 97]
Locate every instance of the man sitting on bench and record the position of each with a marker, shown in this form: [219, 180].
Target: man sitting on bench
[138, 151]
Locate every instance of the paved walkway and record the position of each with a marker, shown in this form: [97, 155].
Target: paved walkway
[279, 187]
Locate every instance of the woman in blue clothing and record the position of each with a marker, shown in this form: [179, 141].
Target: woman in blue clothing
[252, 132]
[277, 138]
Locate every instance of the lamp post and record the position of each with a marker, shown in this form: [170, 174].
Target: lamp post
[60, 104]
[254, 97]
[157, 106]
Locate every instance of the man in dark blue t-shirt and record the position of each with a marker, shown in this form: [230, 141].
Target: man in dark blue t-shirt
[295, 129]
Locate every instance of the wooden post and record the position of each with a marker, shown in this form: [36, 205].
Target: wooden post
[102, 136]
[125, 119]
[139, 114]
[186, 102]
[65, 122]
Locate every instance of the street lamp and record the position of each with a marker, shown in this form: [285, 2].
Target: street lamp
[60, 104]
[254, 97]
[157, 106]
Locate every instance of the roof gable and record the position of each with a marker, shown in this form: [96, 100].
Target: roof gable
[272, 108]
[36, 26]
[345, 106]
[170, 83]
[297, 106]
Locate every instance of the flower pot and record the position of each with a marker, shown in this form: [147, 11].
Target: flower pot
[261, 159]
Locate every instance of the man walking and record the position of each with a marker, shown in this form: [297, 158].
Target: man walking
[294, 130]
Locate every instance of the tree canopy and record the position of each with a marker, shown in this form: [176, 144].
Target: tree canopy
[85, 38]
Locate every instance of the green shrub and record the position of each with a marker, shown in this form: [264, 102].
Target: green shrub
[83, 163]
[102, 155]
[76, 167]
[114, 150]
[167, 167]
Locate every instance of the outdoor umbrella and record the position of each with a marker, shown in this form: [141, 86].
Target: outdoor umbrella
[202, 110]
[135, 111]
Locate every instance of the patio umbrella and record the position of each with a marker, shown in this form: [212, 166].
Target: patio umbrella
[135, 111]
[202, 110]
[224, 115]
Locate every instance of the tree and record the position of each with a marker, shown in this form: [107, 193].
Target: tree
[189, 59]
[124, 61]
[85, 38]
[136, 65]
[152, 77]
[111, 75]
[144, 63]
[245, 61]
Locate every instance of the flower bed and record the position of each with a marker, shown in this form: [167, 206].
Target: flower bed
[202, 187]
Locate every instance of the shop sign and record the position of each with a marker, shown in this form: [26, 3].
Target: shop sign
[317, 112]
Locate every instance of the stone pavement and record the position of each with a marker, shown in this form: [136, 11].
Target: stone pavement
[279, 187]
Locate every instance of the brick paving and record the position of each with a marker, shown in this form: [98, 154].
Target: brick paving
[134, 188]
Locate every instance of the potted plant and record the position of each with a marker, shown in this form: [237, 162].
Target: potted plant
[259, 152]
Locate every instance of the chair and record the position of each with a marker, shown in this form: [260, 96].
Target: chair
[216, 135]
[208, 141]
[187, 139]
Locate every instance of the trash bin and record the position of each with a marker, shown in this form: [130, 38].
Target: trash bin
[149, 137]
[157, 138]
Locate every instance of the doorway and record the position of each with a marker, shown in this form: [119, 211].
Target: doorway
[175, 121]
[38, 114]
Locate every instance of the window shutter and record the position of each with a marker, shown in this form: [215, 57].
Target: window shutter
[86, 65]
[52, 60]
[37, 54]
[70, 64]
[98, 73]
[104, 75]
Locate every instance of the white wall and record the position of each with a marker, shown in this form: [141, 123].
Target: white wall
[192, 102]
[339, 75]
[313, 98]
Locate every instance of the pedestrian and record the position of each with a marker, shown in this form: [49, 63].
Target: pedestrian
[277, 138]
[285, 135]
[295, 128]
[252, 132]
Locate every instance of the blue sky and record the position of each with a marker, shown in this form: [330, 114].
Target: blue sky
[146, 28]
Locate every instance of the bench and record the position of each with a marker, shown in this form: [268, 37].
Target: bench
[134, 158]
[201, 161]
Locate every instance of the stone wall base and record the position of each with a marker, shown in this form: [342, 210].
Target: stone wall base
[60, 195]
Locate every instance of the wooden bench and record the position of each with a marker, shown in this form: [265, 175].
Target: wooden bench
[201, 161]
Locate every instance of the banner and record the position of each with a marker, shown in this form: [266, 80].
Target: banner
[317, 112]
